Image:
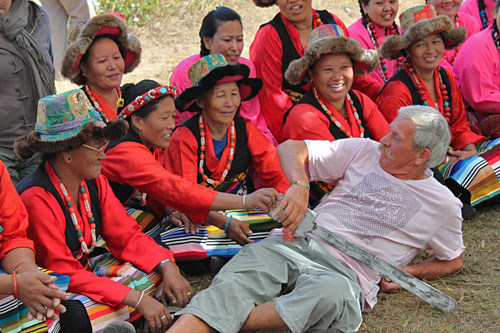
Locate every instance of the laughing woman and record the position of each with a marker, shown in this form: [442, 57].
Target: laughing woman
[216, 148]
[468, 168]
[378, 20]
[71, 205]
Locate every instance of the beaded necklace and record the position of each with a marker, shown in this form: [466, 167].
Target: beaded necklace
[119, 102]
[372, 32]
[72, 212]
[457, 49]
[349, 108]
[231, 135]
[494, 34]
[482, 13]
[422, 90]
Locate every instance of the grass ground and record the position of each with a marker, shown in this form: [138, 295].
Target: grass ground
[172, 34]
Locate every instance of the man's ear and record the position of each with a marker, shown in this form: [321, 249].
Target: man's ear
[423, 157]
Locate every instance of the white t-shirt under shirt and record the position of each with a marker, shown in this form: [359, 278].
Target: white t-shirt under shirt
[390, 217]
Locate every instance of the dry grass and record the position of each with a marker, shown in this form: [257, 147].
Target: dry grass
[173, 35]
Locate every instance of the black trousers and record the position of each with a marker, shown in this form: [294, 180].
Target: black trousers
[75, 319]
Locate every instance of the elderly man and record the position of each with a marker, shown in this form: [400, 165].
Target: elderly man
[385, 201]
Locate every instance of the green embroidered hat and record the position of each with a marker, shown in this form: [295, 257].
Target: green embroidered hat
[65, 122]
[211, 70]
[63, 116]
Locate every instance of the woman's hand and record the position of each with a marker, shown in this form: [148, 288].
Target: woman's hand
[175, 287]
[264, 199]
[155, 313]
[239, 232]
[466, 152]
[180, 219]
[40, 294]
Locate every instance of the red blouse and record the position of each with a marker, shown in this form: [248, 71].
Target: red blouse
[13, 216]
[305, 122]
[133, 164]
[396, 95]
[121, 232]
[182, 157]
[266, 52]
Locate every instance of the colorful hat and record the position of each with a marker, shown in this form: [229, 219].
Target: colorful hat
[330, 39]
[146, 98]
[264, 3]
[84, 34]
[211, 70]
[418, 22]
[65, 122]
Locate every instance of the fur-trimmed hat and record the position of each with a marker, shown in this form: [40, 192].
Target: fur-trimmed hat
[100, 25]
[65, 122]
[264, 3]
[418, 22]
[211, 70]
[330, 39]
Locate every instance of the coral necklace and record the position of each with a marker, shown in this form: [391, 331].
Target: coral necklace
[231, 135]
[372, 32]
[422, 90]
[349, 107]
[72, 212]
[457, 49]
[119, 102]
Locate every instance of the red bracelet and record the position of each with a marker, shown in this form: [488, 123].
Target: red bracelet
[14, 283]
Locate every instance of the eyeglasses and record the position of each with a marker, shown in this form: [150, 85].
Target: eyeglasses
[100, 149]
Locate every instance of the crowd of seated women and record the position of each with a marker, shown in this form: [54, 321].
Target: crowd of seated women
[137, 180]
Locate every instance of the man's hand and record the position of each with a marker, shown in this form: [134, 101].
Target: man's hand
[293, 207]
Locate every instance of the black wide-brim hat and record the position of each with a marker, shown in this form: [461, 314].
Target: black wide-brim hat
[211, 70]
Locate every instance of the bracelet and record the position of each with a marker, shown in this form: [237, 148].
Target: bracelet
[447, 159]
[14, 284]
[244, 202]
[300, 183]
[167, 260]
[140, 299]
[227, 223]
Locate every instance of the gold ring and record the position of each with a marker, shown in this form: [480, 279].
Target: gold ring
[188, 293]
[163, 317]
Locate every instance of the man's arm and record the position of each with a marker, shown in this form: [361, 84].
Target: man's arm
[429, 270]
[293, 157]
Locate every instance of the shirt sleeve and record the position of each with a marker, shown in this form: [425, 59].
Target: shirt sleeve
[266, 53]
[328, 161]
[394, 96]
[304, 122]
[124, 236]
[475, 70]
[265, 159]
[461, 133]
[447, 243]
[47, 229]
[374, 120]
[13, 216]
[181, 157]
[133, 164]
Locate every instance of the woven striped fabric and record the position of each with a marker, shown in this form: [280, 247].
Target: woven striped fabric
[14, 315]
[149, 224]
[212, 241]
[480, 174]
[106, 265]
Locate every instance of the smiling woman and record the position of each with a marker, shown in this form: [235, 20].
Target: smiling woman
[100, 52]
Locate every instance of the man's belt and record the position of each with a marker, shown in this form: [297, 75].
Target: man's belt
[417, 287]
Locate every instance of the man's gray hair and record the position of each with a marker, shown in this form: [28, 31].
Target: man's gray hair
[431, 131]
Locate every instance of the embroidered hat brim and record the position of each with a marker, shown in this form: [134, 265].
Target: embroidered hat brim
[249, 87]
[100, 25]
[394, 45]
